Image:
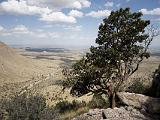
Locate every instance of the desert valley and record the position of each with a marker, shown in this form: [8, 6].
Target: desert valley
[39, 71]
[23, 70]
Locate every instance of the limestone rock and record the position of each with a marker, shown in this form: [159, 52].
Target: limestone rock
[115, 114]
[93, 114]
[139, 101]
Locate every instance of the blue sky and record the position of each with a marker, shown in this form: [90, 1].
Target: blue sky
[64, 22]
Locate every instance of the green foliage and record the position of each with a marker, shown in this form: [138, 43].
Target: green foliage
[138, 86]
[49, 113]
[121, 46]
[26, 107]
[98, 102]
[3, 114]
[64, 106]
[29, 107]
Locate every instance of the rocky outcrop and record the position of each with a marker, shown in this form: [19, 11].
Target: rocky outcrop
[150, 104]
[93, 114]
[122, 113]
[125, 113]
[136, 107]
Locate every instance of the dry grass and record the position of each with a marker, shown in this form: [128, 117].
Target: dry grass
[71, 114]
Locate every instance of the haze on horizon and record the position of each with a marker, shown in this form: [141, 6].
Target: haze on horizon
[64, 23]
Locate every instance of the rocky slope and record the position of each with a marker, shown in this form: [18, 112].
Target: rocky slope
[18, 72]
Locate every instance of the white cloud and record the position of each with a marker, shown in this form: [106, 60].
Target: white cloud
[76, 4]
[155, 11]
[3, 31]
[75, 13]
[156, 20]
[40, 33]
[100, 13]
[69, 28]
[85, 3]
[1, 28]
[46, 34]
[109, 4]
[73, 28]
[57, 17]
[53, 34]
[20, 29]
[48, 26]
[17, 30]
[60, 4]
[21, 7]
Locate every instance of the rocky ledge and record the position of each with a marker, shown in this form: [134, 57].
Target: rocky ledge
[136, 107]
[122, 113]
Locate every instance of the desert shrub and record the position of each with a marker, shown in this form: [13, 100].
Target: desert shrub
[138, 86]
[73, 113]
[49, 113]
[29, 107]
[64, 106]
[24, 107]
[98, 102]
[78, 104]
[155, 88]
[3, 114]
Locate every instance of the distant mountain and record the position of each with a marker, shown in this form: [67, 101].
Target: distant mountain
[155, 51]
[45, 49]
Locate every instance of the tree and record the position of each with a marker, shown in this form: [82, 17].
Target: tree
[122, 44]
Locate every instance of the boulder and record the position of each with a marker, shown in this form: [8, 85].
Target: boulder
[122, 113]
[125, 114]
[140, 101]
[93, 114]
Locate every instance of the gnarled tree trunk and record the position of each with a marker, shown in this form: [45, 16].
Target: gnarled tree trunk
[112, 100]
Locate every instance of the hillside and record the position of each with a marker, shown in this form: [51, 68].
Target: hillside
[13, 65]
[18, 72]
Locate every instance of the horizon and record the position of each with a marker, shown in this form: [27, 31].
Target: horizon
[151, 47]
